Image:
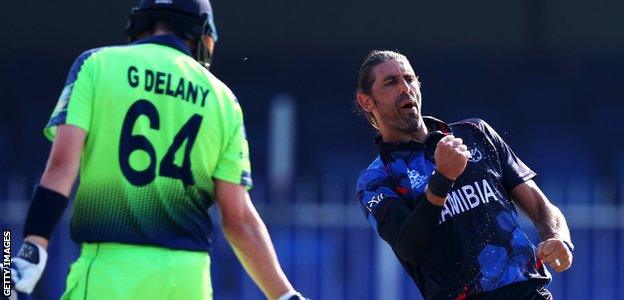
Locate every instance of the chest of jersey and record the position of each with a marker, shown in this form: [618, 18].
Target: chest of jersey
[477, 187]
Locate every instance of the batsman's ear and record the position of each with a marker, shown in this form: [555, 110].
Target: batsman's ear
[365, 101]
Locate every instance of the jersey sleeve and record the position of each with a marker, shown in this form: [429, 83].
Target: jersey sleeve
[75, 103]
[234, 165]
[376, 196]
[514, 170]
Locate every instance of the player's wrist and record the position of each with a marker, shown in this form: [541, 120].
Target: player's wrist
[440, 185]
[45, 211]
[433, 199]
[569, 245]
[38, 240]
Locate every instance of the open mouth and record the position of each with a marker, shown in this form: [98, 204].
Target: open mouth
[408, 105]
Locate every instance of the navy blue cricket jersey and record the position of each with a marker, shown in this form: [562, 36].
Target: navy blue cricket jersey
[479, 245]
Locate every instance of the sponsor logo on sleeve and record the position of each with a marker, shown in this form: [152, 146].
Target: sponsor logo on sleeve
[374, 201]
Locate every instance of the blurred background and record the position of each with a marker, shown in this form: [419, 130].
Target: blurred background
[547, 75]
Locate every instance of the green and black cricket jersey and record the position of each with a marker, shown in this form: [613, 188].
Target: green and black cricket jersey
[160, 128]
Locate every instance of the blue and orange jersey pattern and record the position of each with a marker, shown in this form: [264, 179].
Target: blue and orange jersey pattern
[479, 245]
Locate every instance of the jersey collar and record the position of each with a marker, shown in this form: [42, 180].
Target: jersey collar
[169, 40]
[433, 125]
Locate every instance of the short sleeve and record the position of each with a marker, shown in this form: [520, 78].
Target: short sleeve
[376, 195]
[234, 165]
[514, 170]
[74, 106]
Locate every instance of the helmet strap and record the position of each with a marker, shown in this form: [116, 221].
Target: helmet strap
[202, 54]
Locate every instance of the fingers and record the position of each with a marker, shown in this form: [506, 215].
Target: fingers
[556, 266]
[460, 147]
[27, 283]
[564, 264]
[446, 139]
[543, 251]
[451, 156]
[550, 258]
[26, 275]
[451, 140]
[561, 262]
[456, 142]
[465, 153]
[556, 254]
[548, 248]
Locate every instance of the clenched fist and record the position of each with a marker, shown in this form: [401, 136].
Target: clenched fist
[451, 156]
[554, 252]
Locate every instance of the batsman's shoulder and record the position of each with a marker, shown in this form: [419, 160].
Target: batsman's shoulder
[94, 52]
[90, 55]
[112, 52]
[220, 88]
[84, 59]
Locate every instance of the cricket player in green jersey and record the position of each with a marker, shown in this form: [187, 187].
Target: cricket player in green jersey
[157, 139]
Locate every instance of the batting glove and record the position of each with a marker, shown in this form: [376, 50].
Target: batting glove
[292, 295]
[15, 295]
[28, 267]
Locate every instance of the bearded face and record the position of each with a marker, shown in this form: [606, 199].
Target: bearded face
[396, 96]
[403, 115]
